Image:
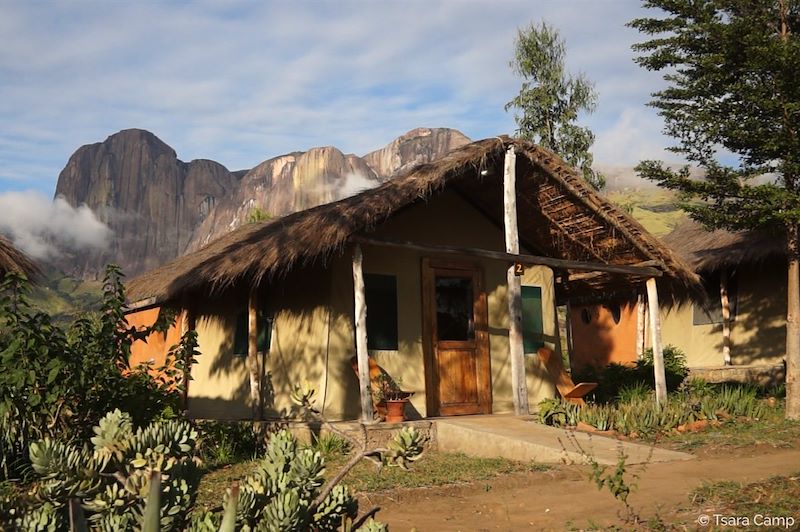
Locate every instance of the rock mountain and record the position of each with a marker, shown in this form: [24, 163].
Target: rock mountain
[159, 207]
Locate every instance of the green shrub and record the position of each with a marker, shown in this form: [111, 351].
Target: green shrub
[614, 377]
[222, 443]
[638, 391]
[675, 368]
[329, 444]
[58, 381]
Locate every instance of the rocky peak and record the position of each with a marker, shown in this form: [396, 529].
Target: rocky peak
[151, 200]
[418, 146]
[288, 183]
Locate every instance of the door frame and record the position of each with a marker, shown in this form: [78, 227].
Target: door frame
[483, 367]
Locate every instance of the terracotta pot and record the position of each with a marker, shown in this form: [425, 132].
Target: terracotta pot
[395, 410]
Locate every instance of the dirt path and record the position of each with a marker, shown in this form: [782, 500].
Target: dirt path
[564, 498]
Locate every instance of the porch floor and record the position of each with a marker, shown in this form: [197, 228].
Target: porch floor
[520, 438]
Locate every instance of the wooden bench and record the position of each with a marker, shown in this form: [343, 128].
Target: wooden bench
[570, 391]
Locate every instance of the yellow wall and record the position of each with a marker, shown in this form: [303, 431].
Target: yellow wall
[219, 387]
[758, 334]
[314, 323]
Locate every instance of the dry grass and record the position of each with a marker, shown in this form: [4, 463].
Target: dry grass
[433, 469]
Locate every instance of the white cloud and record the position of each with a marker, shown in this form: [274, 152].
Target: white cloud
[634, 137]
[44, 228]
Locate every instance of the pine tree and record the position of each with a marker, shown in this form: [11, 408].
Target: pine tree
[734, 86]
[551, 99]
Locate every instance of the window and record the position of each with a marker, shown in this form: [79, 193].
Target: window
[532, 327]
[710, 312]
[381, 296]
[455, 305]
[264, 339]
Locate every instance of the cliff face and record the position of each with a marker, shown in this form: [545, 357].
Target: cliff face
[160, 207]
[421, 145]
[150, 199]
[286, 184]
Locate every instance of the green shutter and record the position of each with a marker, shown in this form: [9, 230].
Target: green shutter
[264, 339]
[532, 327]
[264, 330]
[240, 336]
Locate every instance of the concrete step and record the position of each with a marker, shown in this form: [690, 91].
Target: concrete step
[522, 439]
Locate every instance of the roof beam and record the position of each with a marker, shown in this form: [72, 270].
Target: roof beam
[530, 260]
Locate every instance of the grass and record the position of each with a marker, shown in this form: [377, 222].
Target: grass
[776, 496]
[654, 208]
[772, 430]
[433, 469]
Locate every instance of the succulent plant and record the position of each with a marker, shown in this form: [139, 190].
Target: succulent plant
[113, 479]
[146, 479]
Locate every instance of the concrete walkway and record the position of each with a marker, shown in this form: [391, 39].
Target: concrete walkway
[520, 438]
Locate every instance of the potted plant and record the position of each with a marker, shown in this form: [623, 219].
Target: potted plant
[393, 398]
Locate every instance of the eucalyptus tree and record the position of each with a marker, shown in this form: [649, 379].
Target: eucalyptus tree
[550, 99]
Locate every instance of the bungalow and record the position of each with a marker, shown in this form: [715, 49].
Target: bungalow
[743, 320]
[738, 320]
[421, 273]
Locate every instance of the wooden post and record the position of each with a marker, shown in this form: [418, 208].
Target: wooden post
[519, 387]
[252, 354]
[726, 317]
[640, 326]
[361, 337]
[655, 331]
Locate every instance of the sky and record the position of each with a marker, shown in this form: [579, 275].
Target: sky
[240, 82]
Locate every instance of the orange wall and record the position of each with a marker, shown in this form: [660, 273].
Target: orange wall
[157, 344]
[603, 341]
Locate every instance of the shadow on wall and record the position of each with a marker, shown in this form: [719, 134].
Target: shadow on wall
[759, 330]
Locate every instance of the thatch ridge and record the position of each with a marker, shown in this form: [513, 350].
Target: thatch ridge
[260, 251]
[709, 251]
[14, 260]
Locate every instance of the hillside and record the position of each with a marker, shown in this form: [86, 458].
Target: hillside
[654, 208]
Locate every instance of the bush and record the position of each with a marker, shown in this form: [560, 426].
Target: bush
[675, 367]
[614, 377]
[58, 381]
[222, 443]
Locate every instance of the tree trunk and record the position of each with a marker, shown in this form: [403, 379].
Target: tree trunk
[793, 324]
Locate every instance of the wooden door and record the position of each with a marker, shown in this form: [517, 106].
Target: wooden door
[456, 339]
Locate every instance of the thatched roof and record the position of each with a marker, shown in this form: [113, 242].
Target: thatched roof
[708, 251]
[559, 216]
[13, 260]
